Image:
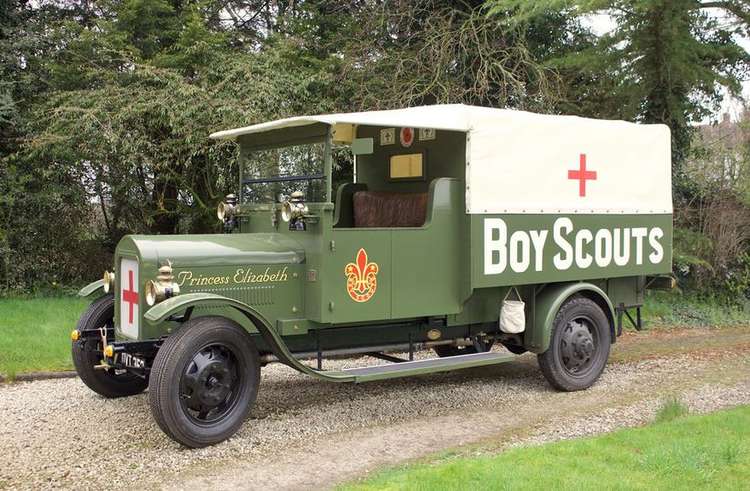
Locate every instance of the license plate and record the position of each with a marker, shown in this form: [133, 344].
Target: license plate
[131, 361]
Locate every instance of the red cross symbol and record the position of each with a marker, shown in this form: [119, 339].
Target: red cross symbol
[582, 175]
[130, 296]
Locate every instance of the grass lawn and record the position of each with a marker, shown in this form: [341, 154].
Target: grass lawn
[35, 333]
[692, 452]
[675, 309]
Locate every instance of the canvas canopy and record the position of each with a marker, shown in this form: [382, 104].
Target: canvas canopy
[521, 162]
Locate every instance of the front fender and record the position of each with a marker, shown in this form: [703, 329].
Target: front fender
[161, 311]
[91, 288]
[549, 301]
[180, 303]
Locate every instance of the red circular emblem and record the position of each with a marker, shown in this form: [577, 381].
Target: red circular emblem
[407, 136]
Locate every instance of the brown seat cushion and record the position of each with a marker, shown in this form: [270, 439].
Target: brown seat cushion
[387, 209]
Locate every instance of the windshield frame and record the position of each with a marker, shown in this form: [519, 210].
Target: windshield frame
[246, 148]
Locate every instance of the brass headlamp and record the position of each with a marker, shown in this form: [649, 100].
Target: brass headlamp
[227, 212]
[294, 210]
[228, 208]
[163, 288]
[109, 281]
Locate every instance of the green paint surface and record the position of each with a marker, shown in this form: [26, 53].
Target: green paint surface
[548, 271]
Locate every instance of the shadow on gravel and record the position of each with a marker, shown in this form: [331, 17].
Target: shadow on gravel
[295, 392]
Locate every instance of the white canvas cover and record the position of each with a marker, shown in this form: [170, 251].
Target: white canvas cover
[521, 162]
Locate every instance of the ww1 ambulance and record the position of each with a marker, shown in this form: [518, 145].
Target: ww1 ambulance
[461, 228]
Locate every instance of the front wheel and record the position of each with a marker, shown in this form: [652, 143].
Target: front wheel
[579, 346]
[87, 355]
[204, 381]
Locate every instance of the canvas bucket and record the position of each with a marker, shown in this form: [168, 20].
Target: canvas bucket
[512, 317]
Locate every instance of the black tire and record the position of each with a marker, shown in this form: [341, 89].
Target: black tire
[87, 353]
[446, 350]
[579, 346]
[204, 381]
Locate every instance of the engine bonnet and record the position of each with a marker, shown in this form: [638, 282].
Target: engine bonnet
[214, 249]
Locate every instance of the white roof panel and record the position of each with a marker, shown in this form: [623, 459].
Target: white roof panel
[456, 117]
[521, 162]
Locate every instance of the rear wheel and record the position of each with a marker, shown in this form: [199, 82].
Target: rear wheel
[579, 346]
[87, 354]
[204, 381]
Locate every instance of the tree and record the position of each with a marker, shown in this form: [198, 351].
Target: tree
[440, 52]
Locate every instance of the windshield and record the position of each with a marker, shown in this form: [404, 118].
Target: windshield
[273, 174]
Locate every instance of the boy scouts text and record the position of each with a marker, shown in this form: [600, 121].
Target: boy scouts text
[522, 249]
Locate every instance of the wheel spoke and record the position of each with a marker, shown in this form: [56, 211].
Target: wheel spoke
[190, 381]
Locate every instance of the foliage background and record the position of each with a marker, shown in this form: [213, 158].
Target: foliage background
[105, 105]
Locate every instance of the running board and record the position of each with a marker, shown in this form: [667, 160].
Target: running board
[420, 367]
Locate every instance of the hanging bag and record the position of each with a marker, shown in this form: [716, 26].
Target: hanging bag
[512, 317]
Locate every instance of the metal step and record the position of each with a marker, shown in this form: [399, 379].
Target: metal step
[420, 367]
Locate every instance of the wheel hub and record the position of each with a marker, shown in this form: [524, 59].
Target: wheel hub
[214, 381]
[577, 345]
[208, 381]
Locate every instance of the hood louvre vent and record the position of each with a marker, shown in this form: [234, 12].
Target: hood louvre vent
[251, 295]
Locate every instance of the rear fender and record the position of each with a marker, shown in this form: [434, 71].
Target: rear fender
[549, 301]
[180, 303]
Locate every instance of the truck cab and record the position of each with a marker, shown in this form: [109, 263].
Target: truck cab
[382, 237]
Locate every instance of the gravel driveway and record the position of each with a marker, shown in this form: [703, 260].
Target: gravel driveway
[58, 434]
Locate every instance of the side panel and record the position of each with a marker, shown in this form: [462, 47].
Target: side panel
[373, 298]
[420, 271]
[315, 242]
[627, 291]
[536, 248]
[428, 263]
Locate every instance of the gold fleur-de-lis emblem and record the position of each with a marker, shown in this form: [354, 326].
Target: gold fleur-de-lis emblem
[361, 278]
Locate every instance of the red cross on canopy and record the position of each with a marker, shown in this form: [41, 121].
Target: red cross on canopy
[582, 175]
[130, 296]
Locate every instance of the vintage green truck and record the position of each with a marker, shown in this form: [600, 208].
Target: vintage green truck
[461, 228]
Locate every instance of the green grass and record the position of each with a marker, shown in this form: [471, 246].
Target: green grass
[676, 309]
[670, 410]
[706, 452]
[35, 333]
